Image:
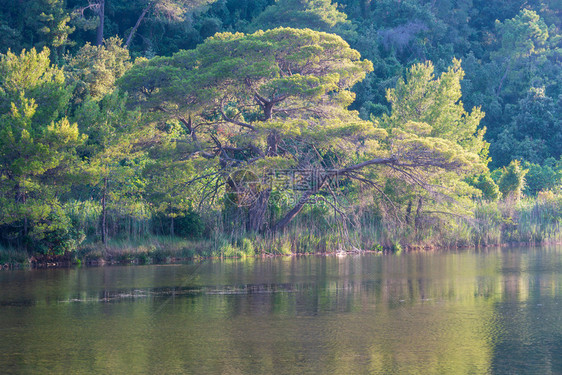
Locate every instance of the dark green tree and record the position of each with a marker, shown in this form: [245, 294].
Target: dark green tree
[49, 21]
[319, 15]
[541, 178]
[166, 10]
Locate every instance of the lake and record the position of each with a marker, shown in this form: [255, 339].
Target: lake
[496, 311]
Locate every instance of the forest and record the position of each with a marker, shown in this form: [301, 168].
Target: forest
[152, 129]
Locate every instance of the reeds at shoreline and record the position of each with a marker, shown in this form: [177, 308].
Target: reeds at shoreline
[529, 220]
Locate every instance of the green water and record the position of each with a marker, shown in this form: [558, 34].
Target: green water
[469, 312]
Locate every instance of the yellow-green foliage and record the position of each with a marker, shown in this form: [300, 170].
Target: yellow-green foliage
[228, 250]
[95, 69]
[248, 247]
[512, 180]
[283, 247]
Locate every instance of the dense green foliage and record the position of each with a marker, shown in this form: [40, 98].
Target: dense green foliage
[38, 160]
[120, 119]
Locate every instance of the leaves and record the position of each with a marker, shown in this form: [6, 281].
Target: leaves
[94, 69]
[37, 147]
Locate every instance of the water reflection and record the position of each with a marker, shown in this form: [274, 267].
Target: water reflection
[493, 311]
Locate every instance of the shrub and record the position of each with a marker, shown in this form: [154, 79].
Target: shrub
[248, 247]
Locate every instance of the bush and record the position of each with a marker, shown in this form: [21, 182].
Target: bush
[488, 187]
[248, 247]
[512, 180]
[57, 236]
[229, 251]
[189, 225]
[540, 178]
[284, 248]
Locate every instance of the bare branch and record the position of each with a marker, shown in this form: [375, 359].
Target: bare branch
[233, 121]
[388, 161]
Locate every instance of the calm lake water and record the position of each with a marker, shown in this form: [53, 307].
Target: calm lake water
[466, 312]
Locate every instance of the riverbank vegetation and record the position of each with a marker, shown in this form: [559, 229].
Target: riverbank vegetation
[170, 129]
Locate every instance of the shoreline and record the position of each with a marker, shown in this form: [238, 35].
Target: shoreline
[70, 260]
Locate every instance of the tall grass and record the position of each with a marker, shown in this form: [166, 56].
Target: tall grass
[149, 249]
[84, 215]
[10, 257]
[315, 230]
[529, 220]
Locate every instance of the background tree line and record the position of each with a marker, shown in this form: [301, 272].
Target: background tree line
[121, 119]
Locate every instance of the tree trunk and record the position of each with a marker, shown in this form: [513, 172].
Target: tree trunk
[172, 226]
[320, 183]
[101, 14]
[23, 199]
[104, 213]
[499, 89]
[256, 212]
[268, 110]
[365, 8]
[281, 224]
[418, 220]
[272, 142]
[408, 212]
[25, 223]
[134, 29]
[127, 227]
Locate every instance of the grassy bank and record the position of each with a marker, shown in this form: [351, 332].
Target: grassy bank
[533, 221]
[11, 257]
